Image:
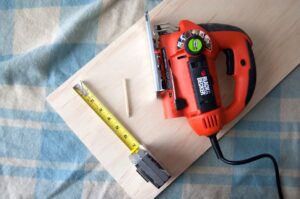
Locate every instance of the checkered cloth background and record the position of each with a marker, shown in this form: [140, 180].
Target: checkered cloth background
[43, 42]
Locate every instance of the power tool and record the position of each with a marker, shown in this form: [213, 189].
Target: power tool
[185, 76]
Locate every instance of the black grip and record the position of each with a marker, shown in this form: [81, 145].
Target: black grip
[252, 74]
[216, 27]
[229, 61]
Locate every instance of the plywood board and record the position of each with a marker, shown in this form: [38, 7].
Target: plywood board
[274, 27]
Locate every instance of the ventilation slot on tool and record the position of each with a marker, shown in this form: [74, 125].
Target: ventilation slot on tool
[181, 57]
[210, 121]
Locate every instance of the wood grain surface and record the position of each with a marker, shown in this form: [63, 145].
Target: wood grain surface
[274, 27]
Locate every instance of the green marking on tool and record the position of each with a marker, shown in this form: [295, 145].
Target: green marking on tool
[195, 45]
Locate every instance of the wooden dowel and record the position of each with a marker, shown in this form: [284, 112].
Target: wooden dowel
[126, 96]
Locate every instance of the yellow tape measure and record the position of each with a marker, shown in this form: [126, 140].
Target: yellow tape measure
[112, 122]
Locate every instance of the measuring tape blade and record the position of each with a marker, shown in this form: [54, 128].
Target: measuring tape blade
[109, 119]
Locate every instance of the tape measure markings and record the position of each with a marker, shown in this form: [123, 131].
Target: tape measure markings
[107, 117]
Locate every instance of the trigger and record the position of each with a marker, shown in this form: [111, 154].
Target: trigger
[229, 61]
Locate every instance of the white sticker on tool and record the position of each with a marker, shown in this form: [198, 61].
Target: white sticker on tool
[203, 85]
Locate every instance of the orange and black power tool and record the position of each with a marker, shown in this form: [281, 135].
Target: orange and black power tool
[185, 76]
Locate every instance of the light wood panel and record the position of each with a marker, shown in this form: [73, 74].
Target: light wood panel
[274, 27]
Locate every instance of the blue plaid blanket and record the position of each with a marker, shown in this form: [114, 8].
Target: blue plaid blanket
[43, 42]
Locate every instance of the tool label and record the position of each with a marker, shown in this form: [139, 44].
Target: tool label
[203, 85]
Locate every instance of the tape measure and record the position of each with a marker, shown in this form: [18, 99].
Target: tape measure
[107, 117]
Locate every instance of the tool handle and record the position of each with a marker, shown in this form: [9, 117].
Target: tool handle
[241, 65]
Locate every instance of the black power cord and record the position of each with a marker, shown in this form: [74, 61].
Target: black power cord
[217, 149]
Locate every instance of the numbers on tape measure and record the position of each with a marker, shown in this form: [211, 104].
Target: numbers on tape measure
[106, 116]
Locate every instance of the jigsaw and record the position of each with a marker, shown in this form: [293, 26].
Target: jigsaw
[185, 77]
[185, 72]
